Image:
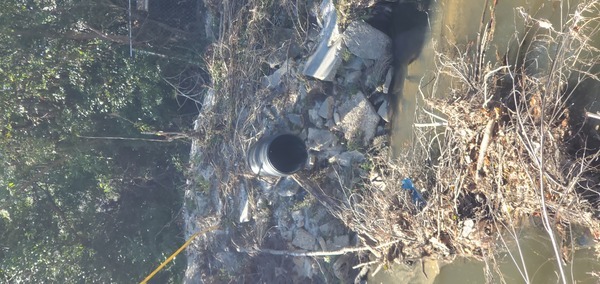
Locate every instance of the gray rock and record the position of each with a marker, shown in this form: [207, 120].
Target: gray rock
[302, 93]
[318, 139]
[365, 41]
[358, 118]
[381, 131]
[340, 242]
[298, 217]
[383, 111]
[355, 64]
[262, 203]
[322, 243]
[284, 220]
[229, 259]
[378, 98]
[330, 124]
[274, 79]
[325, 229]
[369, 62]
[287, 187]
[336, 118]
[326, 109]
[315, 118]
[342, 267]
[346, 159]
[283, 39]
[295, 119]
[352, 77]
[304, 240]
[303, 268]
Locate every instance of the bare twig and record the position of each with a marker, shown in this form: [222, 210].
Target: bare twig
[485, 142]
[592, 115]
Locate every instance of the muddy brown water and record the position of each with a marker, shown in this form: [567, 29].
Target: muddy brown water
[537, 255]
[455, 23]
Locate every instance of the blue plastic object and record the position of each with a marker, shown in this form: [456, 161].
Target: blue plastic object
[415, 195]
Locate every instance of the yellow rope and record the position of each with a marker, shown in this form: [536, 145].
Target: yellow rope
[187, 243]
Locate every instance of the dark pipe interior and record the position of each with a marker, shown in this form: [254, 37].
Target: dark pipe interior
[287, 153]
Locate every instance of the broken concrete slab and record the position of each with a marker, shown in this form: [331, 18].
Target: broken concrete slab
[325, 61]
[358, 118]
[365, 41]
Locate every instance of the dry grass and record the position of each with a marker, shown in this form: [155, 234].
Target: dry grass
[503, 155]
[236, 63]
[231, 119]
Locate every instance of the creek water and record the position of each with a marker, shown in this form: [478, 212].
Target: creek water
[537, 254]
[454, 24]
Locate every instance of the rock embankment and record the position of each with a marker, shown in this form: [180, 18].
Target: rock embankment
[326, 92]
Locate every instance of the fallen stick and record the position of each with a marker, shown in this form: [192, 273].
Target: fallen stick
[302, 253]
[312, 253]
[592, 115]
[433, 124]
[485, 142]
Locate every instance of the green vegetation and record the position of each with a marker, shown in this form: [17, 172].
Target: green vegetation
[306, 202]
[78, 202]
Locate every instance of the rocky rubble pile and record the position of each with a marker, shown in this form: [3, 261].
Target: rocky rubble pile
[326, 92]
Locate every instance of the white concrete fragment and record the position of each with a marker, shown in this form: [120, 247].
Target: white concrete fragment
[325, 61]
[274, 79]
[468, 228]
[244, 206]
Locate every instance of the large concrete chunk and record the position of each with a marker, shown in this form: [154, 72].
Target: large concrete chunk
[325, 61]
[358, 118]
[366, 42]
